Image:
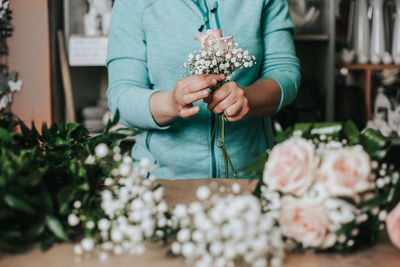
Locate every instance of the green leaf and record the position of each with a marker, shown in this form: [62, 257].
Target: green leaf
[345, 229]
[61, 142]
[18, 204]
[36, 230]
[351, 132]
[302, 129]
[327, 128]
[377, 201]
[54, 225]
[5, 136]
[110, 123]
[375, 144]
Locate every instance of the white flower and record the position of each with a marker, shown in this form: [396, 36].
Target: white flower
[78, 250]
[108, 181]
[145, 163]
[104, 224]
[203, 193]
[116, 236]
[90, 225]
[117, 157]
[176, 248]
[236, 188]
[73, 220]
[158, 194]
[183, 235]
[101, 150]
[87, 244]
[124, 169]
[103, 256]
[340, 211]
[180, 211]
[90, 160]
[118, 250]
[188, 250]
[162, 207]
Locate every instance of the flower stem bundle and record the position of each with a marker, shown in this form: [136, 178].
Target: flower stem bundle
[219, 55]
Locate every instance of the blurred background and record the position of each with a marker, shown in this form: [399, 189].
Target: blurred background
[53, 54]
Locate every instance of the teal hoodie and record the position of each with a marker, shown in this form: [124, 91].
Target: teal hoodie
[148, 44]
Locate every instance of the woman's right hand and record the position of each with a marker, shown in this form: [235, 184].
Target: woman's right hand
[192, 89]
[167, 106]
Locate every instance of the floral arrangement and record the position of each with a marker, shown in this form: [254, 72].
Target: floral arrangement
[219, 55]
[332, 184]
[132, 209]
[225, 227]
[40, 176]
[323, 187]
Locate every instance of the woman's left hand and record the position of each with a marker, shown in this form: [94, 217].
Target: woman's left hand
[229, 99]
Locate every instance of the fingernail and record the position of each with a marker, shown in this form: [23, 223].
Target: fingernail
[205, 93]
[214, 81]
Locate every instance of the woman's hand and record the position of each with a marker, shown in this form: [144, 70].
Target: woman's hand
[192, 89]
[231, 100]
[167, 106]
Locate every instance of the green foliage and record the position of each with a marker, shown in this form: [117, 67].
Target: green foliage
[41, 174]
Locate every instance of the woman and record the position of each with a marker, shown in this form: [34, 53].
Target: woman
[149, 42]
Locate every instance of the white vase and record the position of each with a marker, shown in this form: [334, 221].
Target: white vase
[396, 35]
[377, 51]
[361, 32]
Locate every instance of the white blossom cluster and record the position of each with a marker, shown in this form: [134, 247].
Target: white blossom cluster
[218, 58]
[134, 208]
[319, 190]
[224, 228]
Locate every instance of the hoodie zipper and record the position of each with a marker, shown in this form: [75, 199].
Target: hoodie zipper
[206, 19]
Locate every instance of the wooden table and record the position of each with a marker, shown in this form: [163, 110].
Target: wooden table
[381, 255]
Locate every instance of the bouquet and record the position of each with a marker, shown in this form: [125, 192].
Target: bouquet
[219, 55]
[332, 185]
[224, 227]
[131, 212]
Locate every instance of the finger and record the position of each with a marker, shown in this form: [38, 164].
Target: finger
[218, 96]
[224, 105]
[191, 98]
[240, 116]
[234, 110]
[201, 82]
[189, 112]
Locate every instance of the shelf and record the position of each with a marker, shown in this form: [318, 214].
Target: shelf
[370, 67]
[311, 38]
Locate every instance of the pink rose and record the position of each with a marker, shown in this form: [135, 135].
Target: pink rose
[393, 226]
[306, 221]
[213, 37]
[346, 171]
[291, 166]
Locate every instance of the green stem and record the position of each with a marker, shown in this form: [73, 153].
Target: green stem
[225, 154]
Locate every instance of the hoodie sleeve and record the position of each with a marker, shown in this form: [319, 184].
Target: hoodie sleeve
[129, 86]
[280, 62]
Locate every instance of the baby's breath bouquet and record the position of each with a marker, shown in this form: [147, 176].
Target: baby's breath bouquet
[219, 55]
